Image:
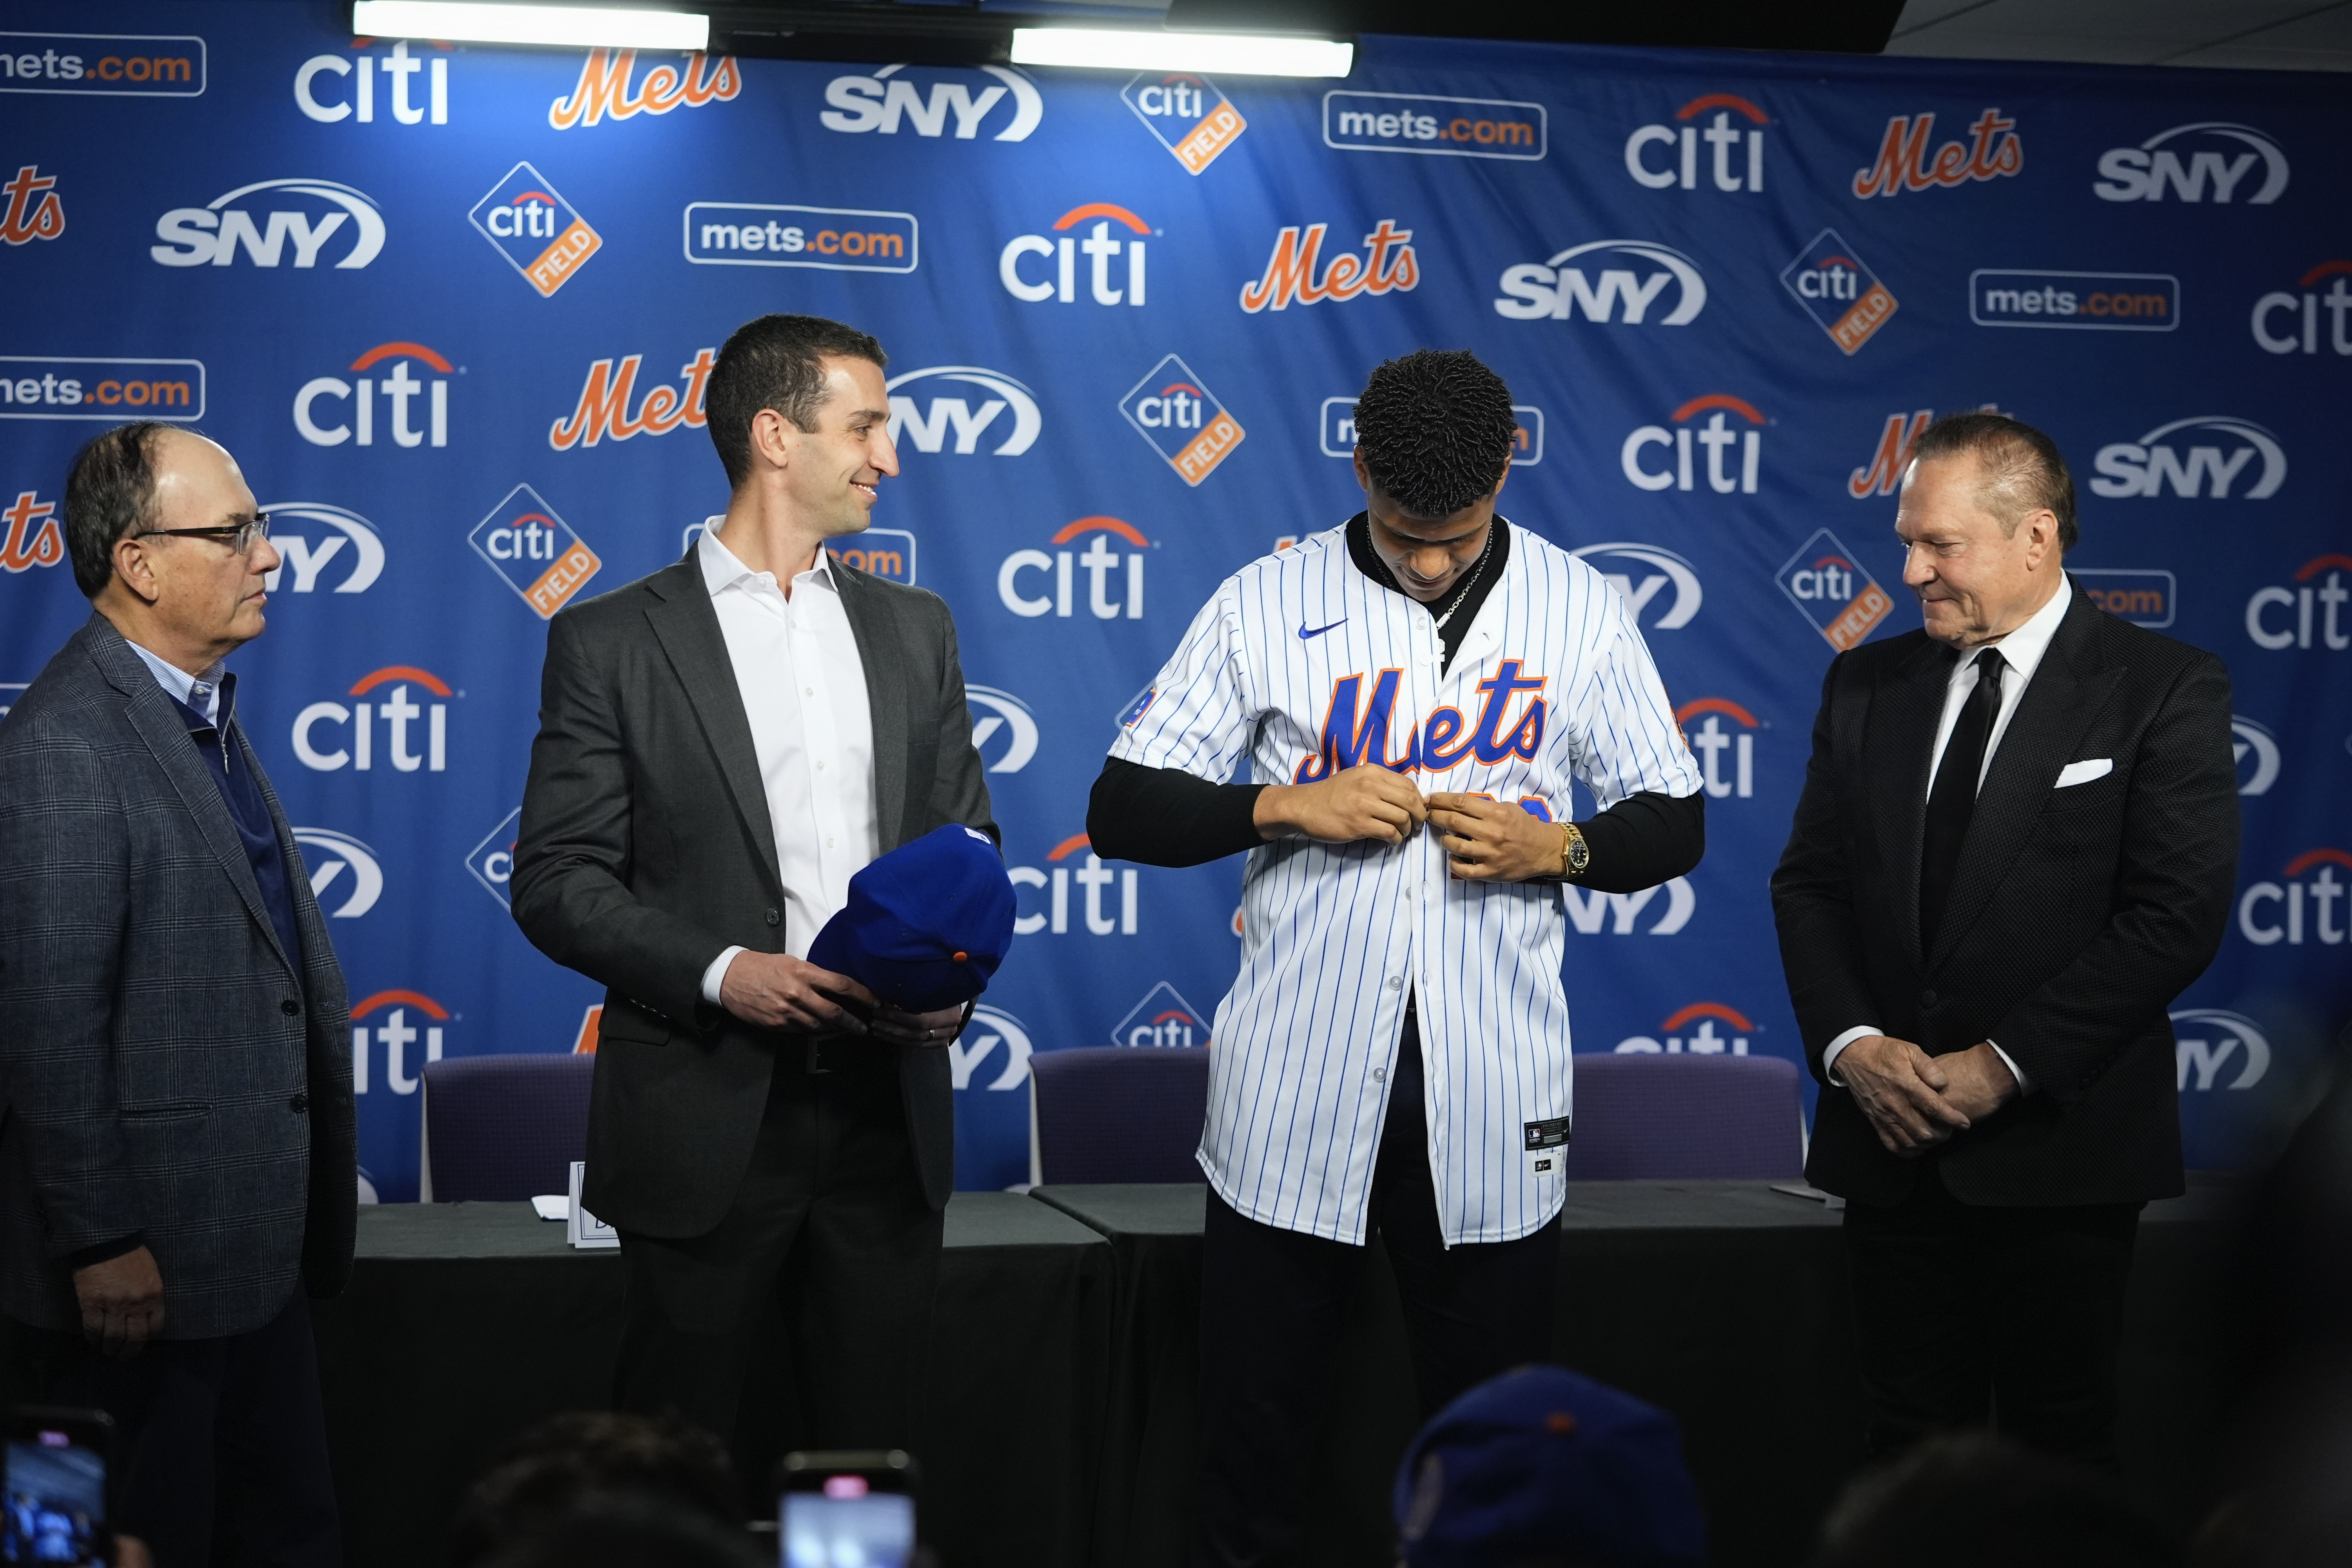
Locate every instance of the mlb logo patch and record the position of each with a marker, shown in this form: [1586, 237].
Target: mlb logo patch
[542, 236]
[1837, 594]
[1174, 410]
[1839, 290]
[1186, 114]
[534, 549]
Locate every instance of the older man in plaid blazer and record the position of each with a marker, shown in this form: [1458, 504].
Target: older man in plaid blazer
[177, 1167]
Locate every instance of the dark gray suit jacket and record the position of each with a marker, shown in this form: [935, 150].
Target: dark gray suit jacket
[647, 850]
[167, 1069]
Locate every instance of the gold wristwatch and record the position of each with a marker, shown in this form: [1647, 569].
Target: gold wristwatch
[1575, 853]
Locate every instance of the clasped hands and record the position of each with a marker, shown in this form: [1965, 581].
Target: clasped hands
[1915, 1101]
[777, 990]
[1484, 840]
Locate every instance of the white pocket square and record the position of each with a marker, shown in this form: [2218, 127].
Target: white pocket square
[2084, 773]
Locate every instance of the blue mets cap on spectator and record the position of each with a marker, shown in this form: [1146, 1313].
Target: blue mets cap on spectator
[1543, 1465]
[926, 924]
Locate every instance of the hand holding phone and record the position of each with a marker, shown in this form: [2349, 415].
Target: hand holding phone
[848, 1508]
[54, 1502]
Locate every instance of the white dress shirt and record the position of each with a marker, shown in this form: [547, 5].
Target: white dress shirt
[201, 692]
[2021, 650]
[804, 690]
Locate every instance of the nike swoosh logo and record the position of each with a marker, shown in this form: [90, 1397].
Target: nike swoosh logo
[1306, 635]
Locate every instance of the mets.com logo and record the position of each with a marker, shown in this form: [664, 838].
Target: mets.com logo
[831, 239]
[36, 386]
[105, 65]
[1440, 126]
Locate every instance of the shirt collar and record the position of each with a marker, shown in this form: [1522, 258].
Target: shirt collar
[2022, 649]
[205, 693]
[722, 570]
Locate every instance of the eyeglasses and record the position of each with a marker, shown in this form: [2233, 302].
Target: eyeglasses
[237, 536]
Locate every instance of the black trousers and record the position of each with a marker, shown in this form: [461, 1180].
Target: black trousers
[1967, 1315]
[220, 1444]
[1271, 1304]
[801, 1320]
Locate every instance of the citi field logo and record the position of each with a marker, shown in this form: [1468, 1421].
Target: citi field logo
[1003, 729]
[928, 422]
[2302, 325]
[2274, 911]
[1102, 249]
[332, 856]
[1556, 292]
[99, 388]
[602, 413]
[105, 65]
[1173, 409]
[1640, 573]
[884, 102]
[884, 551]
[35, 210]
[1186, 114]
[1708, 741]
[541, 235]
[1095, 881]
[396, 1035]
[1734, 456]
[2253, 742]
[990, 1028]
[534, 551]
[2207, 1039]
[217, 232]
[351, 729]
[1838, 291]
[2315, 606]
[1442, 127]
[1735, 151]
[352, 97]
[1114, 577]
[1993, 152]
[831, 239]
[1163, 1020]
[491, 862]
[1290, 276]
[603, 90]
[1837, 595]
[2145, 596]
[2145, 468]
[329, 534]
[356, 420]
[30, 534]
[1703, 1041]
[1594, 913]
[1338, 437]
[2221, 155]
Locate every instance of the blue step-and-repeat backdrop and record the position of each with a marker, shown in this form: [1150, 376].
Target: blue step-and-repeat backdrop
[453, 309]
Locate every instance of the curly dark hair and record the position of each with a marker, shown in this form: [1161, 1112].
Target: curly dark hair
[545, 1475]
[1435, 429]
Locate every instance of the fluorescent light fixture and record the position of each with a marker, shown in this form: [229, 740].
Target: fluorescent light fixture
[1226, 54]
[579, 26]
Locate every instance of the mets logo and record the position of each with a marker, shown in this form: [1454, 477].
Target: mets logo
[1905, 164]
[541, 235]
[27, 219]
[603, 91]
[33, 537]
[1290, 275]
[1355, 727]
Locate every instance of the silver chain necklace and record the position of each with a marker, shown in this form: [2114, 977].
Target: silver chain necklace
[1461, 595]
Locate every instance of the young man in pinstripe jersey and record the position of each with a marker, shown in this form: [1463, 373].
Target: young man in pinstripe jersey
[1416, 692]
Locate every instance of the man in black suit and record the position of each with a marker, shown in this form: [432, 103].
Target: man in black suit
[178, 1167]
[721, 745]
[2016, 845]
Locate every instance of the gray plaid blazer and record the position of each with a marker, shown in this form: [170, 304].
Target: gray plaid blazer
[164, 1067]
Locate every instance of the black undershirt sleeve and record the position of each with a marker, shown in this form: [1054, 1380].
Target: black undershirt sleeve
[1165, 817]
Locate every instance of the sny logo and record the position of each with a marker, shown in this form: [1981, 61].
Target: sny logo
[1709, 741]
[398, 388]
[1720, 440]
[878, 102]
[1100, 246]
[2144, 596]
[994, 713]
[1338, 436]
[2337, 301]
[1591, 913]
[306, 555]
[1724, 141]
[1444, 127]
[1174, 410]
[1185, 114]
[1163, 1020]
[929, 431]
[2326, 597]
[213, 232]
[1554, 291]
[2220, 1034]
[533, 550]
[395, 1034]
[395, 708]
[1904, 163]
[339, 853]
[492, 861]
[2143, 468]
[1659, 568]
[1702, 1041]
[541, 235]
[834, 239]
[1838, 291]
[2218, 150]
[1840, 598]
[603, 91]
[1104, 569]
[398, 68]
[34, 537]
[603, 411]
[68, 389]
[2251, 739]
[2263, 903]
[991, 1027]
[1290, 276]
[28, 219]
[1094, 877]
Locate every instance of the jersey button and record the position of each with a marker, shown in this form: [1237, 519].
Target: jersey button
[1380, 1075]
[1396, 981]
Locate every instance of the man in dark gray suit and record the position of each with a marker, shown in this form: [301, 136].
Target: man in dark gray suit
[721, 745]
[177, 1163]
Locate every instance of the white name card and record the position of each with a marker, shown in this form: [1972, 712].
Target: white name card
[583, 1229]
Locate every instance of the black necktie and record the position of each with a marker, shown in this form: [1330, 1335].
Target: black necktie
[1953, 800]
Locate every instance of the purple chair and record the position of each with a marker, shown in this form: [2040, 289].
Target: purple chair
[1667, 1117]
[501, 1129]
[1116, 1114]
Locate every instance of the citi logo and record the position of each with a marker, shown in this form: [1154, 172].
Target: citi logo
[885, 100]
[395, 709]
[603, 412]
[1591, 911]
[1163, 1020]
[2145, 466]
[2219, 152]
[2305, 308]
[1555, 291]
[1993, 152]
[399, 391]
[1643, 572]
[2205, 1039]
[214, 233]
[34, 211]
[603, 91]
[991, 1027]
[491, 862]
[339, 853]
[1703, 1041]
[929, 428]
[1095, 881]
[1726, 143]
[1114, 577]
[1290, 275]
[355, 98]
[32, 535]
[1726, 473]
[2249, 740]
[2272, 912]
[395, 1033]
[1709, 739]
[330, 530]
[1002, 724]
[1101, 249]
[2314, 606]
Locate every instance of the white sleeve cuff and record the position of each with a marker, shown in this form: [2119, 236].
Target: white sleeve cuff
[717, 973]
[1830, 1056]
[2024, 1085]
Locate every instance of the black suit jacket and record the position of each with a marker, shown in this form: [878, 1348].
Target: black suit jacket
[647, 850]
[2075, 918]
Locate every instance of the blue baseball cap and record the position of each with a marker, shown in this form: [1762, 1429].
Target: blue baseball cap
[1544, 1464]
[926, 924]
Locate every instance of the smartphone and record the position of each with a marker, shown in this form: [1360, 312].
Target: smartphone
[850, 1509]
[53, 1504]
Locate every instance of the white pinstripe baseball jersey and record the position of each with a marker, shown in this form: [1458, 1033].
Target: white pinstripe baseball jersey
[1304, 664]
